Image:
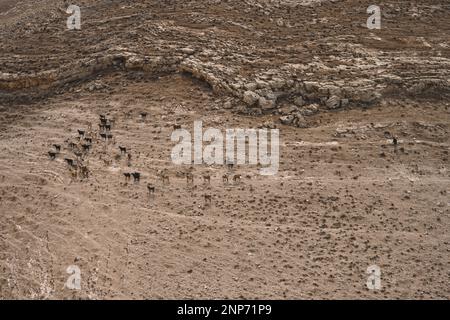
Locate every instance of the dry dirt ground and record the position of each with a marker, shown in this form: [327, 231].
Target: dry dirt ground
[345, 197]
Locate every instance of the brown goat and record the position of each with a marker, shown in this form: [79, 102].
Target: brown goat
[225, 178]
[190, 178]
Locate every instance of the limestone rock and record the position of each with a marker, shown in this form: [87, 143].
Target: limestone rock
[287, 120]
[298, 101]
[309, 110]
[266, 104]
[333, 102]
[250, 97]
[287, 109]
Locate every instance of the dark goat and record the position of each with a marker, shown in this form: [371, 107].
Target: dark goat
[52, 155]
[122, 150]
[86, 147]
[136, 176]
[208, 198]
[70, 162]
[144, 115]
[57, 147]
[395, 141]
[150, 188]
[72, 145]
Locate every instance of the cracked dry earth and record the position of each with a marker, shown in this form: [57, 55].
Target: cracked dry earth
[344, 198]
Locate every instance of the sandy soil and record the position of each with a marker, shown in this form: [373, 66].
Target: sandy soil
[345, 198]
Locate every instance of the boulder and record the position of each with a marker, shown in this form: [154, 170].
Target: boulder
[298, 101]
[309, 110]
[344, 102]
[251, 86]
[287, 120]
[266, 104]
[287, 109]
[300, 121]
[250, 97]
[333, 102]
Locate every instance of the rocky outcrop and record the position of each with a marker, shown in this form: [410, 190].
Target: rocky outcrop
[258, 70]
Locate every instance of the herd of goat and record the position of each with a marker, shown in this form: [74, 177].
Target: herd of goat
[82, 144]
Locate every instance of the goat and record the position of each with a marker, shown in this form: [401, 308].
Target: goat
[72, 145]
[52, 155]
[136, 176]
[84, 172]
[81, 133]
[225, 178]
[143, 115]
[86, 147]
[103, 135]
[101, 127]
[70, 162]
[176, 126]
[189, 178]
[109, 136]
[236, 178]
[208, 199]
[107, 127]
[127, 176]
[151, 188]
[230, 166]
[74, 172]
[57, 147]
[88, 140]
[123, 150]
[164, 176]
[78, 154]
[207, 178]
